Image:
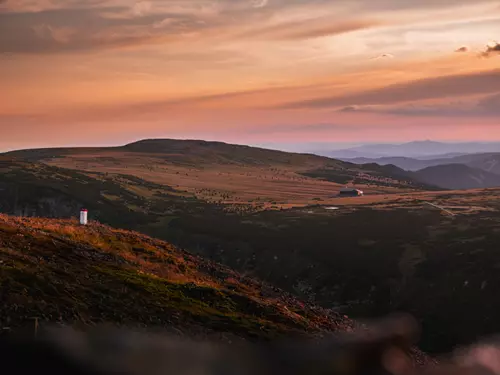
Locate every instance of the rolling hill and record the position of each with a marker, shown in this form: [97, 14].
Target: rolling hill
[37, 189]
[219, 172]
[487, 162]
[405, 163]
[363, 261]
[473, 171]
[457, 176]
[56, 271]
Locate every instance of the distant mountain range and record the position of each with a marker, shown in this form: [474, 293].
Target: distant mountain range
[418, 149]
[460, 172]
[457, 176]
[489, 162]
[446, 165]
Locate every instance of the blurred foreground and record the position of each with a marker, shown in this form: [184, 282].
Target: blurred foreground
[385, 347]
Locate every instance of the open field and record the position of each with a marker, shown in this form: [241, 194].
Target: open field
[459, 201]
[222, 173]
[221, 183]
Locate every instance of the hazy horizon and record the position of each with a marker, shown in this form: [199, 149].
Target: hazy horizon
[290, 147]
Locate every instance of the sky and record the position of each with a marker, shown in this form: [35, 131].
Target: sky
[106, 72]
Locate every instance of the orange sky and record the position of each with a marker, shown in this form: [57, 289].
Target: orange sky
[249, 71]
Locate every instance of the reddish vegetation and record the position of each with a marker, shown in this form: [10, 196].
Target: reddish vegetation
[57, 270]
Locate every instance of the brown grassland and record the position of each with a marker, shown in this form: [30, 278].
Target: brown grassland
[221, 183]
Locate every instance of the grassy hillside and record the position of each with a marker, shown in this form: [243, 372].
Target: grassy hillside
[457, 176]
[36, 189]
[56, 270]
[370, 259]
[220, 172]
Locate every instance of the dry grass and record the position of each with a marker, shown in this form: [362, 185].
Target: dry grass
[59, 270]
[226, 183]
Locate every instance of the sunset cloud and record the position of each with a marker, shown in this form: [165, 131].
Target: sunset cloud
[259, 3]
[350, 108]
[491, 104]
[492, 48]
[238, 66]
[462, 106]
[66, 30]
[431, 88]
[313, 28]
[141, 8]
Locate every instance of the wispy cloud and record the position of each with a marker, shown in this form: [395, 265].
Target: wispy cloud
[431, 88]
[66, 30]
[350, 108]
[490, 104]
[302, 128]
[259, 3]
[466, 106]
[307, 29]
[141, 8]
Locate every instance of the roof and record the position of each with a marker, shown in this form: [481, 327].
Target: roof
[349, 190]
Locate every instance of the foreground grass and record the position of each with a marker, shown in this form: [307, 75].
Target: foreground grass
[58, 271]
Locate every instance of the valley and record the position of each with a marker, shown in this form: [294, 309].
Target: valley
[403, 246]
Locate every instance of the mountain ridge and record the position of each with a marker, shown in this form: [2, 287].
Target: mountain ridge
[484, 167]
[415, 149]
[487, 161]
[457, 176]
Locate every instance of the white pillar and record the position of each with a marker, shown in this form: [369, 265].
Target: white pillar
[83, 217]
